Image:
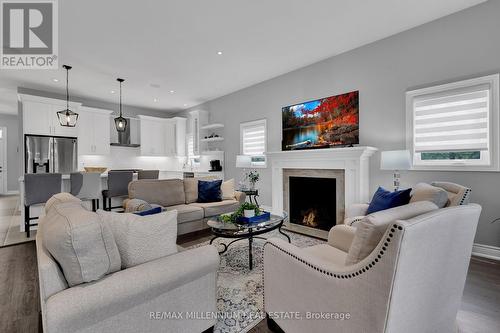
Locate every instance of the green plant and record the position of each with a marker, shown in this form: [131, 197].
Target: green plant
[232, 218]
[253, 177]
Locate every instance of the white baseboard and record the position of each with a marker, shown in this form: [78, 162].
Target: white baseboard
[12, 192]
[486, 251]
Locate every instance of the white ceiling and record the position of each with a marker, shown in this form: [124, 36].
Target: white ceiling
[174, 44]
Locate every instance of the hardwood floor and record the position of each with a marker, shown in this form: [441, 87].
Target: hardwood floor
[20, 304]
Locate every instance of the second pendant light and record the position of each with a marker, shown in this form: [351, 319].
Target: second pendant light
[120, 122]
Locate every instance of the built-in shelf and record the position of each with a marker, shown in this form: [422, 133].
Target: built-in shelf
[212, 126]
[216, 139]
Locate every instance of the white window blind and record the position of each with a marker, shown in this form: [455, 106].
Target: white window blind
[253, 137]
[452, 120]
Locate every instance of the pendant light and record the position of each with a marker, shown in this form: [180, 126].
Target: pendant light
[120, 122]
[67, 118]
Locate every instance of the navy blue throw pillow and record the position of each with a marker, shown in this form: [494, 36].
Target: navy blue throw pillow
[383, 199]
[209, 191]
[151, 211]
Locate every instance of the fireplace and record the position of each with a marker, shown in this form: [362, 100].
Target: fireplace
[314, 200]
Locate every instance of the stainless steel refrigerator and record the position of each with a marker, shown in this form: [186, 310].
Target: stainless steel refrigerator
[47, 154]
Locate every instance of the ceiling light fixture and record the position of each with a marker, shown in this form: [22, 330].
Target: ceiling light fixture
[155, 100]
[171, 91]
[112, 91]
[120, 122]
[55, 80]
[67, 118]
[219, 52]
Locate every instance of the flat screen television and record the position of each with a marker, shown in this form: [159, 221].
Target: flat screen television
[323, 123]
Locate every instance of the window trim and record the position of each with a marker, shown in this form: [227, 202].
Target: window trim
[494, 125]
[263, 121]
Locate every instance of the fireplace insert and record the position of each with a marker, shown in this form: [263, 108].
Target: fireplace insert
[313, 202]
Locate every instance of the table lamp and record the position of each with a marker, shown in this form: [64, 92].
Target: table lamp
[395, 160]
[243, 161]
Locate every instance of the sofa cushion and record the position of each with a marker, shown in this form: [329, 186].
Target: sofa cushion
[209, 191]
[383, 199]
[80, 242]
[227, 188]
[60, 198]
[142, 238]
[191, 188]
[426, 192]
[187, 213]
[164, 192]
[370, 230]
[217, 208]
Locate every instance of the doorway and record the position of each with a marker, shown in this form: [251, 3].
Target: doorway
[3, 160]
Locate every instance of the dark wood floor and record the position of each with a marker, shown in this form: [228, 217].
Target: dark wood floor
[20, 304]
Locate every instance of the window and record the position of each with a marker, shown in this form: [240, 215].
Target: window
[253, 138]
[454, 126]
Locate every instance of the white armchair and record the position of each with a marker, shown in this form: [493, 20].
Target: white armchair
[411, 282]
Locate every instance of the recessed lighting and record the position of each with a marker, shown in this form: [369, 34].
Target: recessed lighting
[219, 52]
[185, 105]
[112, 91]
[55, 80]
[171, 91]
[155, 100]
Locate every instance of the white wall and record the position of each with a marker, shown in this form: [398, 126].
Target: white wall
[462, 45]
[11, 122]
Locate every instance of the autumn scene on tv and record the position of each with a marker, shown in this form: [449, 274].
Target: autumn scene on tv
[322, 123]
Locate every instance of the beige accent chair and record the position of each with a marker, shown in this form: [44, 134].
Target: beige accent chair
[457, 195]
[412, 281]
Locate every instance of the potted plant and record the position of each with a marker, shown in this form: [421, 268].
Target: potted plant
[253, 177]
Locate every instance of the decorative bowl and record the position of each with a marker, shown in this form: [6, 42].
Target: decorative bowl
[95, 169]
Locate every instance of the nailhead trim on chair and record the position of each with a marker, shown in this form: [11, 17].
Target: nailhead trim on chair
[466, 194]
[356, 220]
[360, 271]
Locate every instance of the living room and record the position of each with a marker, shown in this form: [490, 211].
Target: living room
[327, 172]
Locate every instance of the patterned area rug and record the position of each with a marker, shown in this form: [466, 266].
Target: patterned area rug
[240, 290]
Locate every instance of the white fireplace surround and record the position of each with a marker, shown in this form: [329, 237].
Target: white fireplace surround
[353, 160]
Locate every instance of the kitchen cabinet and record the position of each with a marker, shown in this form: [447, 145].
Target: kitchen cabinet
[197, 119]
[40, 116]
[163, 136]
[170, 138]
[93, 131]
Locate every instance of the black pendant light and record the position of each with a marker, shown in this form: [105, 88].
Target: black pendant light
[120, 122]
[67, 117]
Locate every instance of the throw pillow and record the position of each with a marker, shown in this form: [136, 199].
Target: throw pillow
[426, 192]
[227, 189]
[209, 191]
[83, 246]
[151, 211]
[383, 199]
[136, 205]
[191, 188]
[142, 238]
[370, 230]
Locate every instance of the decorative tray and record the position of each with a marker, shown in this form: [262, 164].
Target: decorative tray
[264, 216]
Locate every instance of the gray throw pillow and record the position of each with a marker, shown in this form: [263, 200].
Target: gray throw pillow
[426, 192]
[83, 246]
[142, 238]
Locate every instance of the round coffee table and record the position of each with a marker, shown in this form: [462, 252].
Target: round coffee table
[245, 231]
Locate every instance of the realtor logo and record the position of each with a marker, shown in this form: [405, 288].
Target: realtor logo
[29, 34]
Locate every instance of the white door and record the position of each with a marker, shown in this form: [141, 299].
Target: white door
[36, 118]
[101, 134]
[3, 160]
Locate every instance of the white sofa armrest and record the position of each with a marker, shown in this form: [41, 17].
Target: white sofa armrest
[341, 236]
[82, 306]
[358, 209]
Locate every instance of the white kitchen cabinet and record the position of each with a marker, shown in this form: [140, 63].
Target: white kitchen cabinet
[40, 116]
[152, 136]
[170, 137]
[93, 131]
[180, 136]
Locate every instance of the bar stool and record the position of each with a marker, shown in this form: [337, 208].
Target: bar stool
[148, 174]
[117, 187]
[86, 186]
[38, 188]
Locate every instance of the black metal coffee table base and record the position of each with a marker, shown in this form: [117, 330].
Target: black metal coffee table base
[250, 235]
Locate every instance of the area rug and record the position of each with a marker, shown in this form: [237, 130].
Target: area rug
[240, 299]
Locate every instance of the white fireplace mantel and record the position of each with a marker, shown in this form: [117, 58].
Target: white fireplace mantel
[353, 160]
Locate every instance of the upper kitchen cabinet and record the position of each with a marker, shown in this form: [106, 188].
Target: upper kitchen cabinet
[163, 137]
[93, 131]
[197, 119]
[40, 116]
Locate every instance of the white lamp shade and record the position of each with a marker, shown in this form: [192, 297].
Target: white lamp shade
[243, 161]
[395, 160]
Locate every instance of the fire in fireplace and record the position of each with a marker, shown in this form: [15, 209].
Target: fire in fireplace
[313, 202]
